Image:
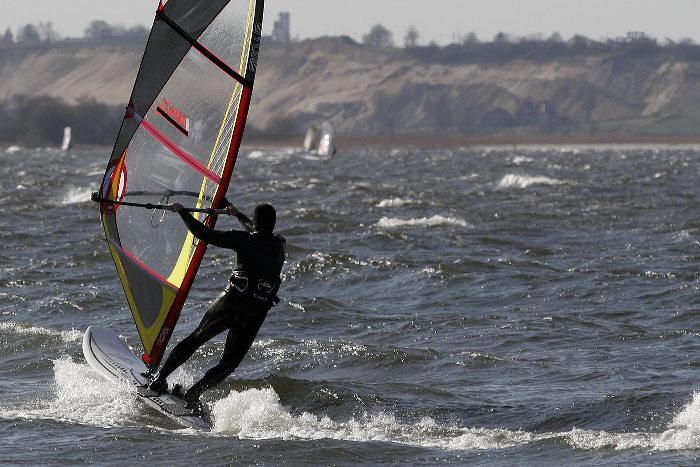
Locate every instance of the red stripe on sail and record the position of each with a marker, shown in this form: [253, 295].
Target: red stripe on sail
[153, 360]
[175, 149]
[179, 121]
[140, 264]
[223, 66]
[236, 139]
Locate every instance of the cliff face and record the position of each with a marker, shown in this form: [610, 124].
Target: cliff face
[70, 72]
[379, 92]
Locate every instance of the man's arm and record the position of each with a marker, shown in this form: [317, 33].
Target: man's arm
[214, 237]
[225, 203]
[247, 224]
[231, 210]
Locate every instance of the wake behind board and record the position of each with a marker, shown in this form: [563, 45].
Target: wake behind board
[110, 357]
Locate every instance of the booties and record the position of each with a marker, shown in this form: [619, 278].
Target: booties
[158, 385]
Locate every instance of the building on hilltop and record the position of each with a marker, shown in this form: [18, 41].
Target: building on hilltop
[281, 31]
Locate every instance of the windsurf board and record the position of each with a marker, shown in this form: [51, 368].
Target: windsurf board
[109, 355]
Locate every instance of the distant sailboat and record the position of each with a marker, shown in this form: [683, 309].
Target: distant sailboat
[67, 141]
[320, 141]
[326, 145]
[311, 139]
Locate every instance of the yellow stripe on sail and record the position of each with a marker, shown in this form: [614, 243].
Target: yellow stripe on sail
[245, 54]
[148, 335]
[183, 261]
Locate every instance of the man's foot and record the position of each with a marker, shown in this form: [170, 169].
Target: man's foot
[158, 385]
[193, 403]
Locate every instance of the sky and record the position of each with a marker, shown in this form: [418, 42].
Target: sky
[596, 19]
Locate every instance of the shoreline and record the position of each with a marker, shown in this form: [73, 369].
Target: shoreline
[437, 142]
[425, 142]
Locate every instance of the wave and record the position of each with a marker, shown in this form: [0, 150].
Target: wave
[24, 330]
[77, 195]
[684, 432]
[258, 154]
[524, 181]
[267, 155]
[435, 221]
[80, 395]
[314, 157]
[517, 160]
[258, 414]
[393, 203]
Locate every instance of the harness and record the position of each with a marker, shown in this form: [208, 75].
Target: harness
[260, 291]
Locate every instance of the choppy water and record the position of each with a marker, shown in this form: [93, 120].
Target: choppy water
[528, 306]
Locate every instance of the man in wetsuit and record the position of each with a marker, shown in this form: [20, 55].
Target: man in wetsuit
[243, 305]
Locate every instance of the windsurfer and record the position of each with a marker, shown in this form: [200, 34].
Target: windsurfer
[243, 305]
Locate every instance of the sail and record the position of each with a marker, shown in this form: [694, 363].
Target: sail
[320, 141]
[311, 138]
[326, 143]
[178, 142]
[67, 143]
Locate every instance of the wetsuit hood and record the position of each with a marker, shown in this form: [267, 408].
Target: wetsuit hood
[264, 218]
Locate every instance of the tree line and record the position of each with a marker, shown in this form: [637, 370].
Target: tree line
[97, 31]
[468, 48]
[378, 36]
[39, 121]
[502, 49]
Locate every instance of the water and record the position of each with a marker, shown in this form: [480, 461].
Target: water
[493, 306]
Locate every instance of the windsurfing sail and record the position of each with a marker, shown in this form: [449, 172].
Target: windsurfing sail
[320, 141]
[178, 142]
[311, 138]
[326, 143]
[67, 142]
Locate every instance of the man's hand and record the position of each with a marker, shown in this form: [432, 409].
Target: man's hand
[231, 210]
[176, 207]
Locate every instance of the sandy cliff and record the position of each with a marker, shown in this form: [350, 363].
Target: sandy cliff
[379, 92]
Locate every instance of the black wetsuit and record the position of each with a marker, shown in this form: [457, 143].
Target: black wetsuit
[243, 305]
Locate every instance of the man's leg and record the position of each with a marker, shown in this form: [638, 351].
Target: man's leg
[179, 355]
[238, 342]
[213, 322]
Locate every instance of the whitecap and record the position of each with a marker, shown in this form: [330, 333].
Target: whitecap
[434, 221]
[258, 414]
[522, 159]
[393, 203]
[256, 154]
[684, 432]
[24, 330]
[77, 195]
[79, 395]
[272, 154]
[603, 440]
[524, 181]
